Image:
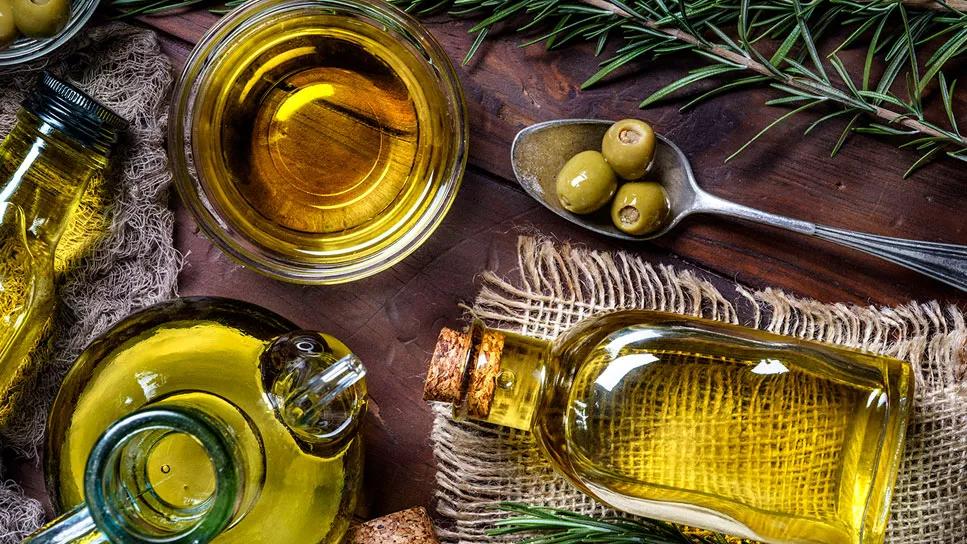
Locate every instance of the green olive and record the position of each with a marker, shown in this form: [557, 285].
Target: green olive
[629, 146]
[640, 207]
[40, 18]
[8, 30]
[586, 183]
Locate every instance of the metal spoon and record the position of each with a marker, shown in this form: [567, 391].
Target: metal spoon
[539, 151]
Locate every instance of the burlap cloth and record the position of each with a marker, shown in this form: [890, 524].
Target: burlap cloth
[560, 285]
[118, 254]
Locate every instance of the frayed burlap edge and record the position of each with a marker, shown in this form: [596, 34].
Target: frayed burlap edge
[479, 465]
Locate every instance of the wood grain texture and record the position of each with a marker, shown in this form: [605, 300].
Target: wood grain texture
[392, 320]
[508, 87]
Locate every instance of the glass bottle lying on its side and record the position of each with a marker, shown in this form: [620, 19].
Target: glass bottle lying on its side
[204, 420]
[717, 426]
[61, 142]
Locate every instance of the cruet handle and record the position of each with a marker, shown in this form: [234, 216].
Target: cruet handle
[319, 393]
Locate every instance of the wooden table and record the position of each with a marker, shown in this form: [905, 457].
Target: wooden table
[392, 319]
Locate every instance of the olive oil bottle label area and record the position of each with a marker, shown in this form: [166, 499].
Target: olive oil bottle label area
[323, 139]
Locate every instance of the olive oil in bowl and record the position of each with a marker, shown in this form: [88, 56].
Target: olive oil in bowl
[324, 140]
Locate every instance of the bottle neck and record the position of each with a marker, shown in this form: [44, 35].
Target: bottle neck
[490, 375]
[127, 502]
[45, 172]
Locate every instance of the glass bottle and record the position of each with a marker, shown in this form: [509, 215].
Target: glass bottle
[61, 140]
[204, 420]
[717, 426]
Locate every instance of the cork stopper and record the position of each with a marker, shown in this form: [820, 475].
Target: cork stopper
[407, 527]
[448, 366]
[483, 375]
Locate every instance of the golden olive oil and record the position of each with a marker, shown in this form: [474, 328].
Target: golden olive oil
[26, 300]
[705, 424]
[44, 170]
[318, 137]
[211, 363]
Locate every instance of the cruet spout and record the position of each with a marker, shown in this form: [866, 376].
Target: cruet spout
[318, 388]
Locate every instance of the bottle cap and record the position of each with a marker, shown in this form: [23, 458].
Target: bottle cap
[72, 111]
[483, 376]
[448, 367]
[464, 369]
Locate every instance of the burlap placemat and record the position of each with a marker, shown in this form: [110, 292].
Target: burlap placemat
[118, 254]
[559, 285]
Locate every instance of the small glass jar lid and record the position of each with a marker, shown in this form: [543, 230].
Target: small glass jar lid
[71, 110]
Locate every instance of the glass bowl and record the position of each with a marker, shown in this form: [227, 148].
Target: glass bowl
[28, 49]
[318, 200]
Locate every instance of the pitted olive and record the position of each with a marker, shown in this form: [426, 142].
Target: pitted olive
[629, 146]
[640, 207]
[586, 183]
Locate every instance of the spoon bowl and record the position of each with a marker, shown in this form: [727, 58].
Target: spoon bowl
[539, 151]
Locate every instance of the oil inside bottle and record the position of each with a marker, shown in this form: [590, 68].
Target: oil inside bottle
[41, 183]
[316, 136]
[770, 444]
[696, 422]
[180, 472]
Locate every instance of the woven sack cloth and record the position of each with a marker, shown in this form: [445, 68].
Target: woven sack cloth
[117, 254]
[559, 285]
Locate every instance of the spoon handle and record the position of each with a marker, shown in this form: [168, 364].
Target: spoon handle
[943, 262]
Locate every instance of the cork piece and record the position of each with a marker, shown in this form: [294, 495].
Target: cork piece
[407, 527]
[483, 377]
[444, 378]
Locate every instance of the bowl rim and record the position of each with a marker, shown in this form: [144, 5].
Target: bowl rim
[256, 257]
[37, 48]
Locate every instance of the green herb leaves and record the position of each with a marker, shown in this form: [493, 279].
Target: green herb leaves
[553, 526]
[781, 43]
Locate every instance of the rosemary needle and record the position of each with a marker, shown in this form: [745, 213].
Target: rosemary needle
[555, 526]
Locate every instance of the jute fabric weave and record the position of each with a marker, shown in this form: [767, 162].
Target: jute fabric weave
[689, 425]
[560, 285]
[117, 255]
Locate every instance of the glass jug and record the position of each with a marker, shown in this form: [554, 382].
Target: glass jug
[717, 426]
[206, 419]
[62, 140]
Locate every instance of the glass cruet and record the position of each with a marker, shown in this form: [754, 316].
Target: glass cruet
[206, 419]
[61, 141]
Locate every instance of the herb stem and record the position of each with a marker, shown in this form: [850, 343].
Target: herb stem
[829, 92]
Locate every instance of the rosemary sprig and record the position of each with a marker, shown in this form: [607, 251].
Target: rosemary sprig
[775, 43]
[554, 526]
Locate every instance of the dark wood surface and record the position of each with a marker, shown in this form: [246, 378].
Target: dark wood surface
[392, 319]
